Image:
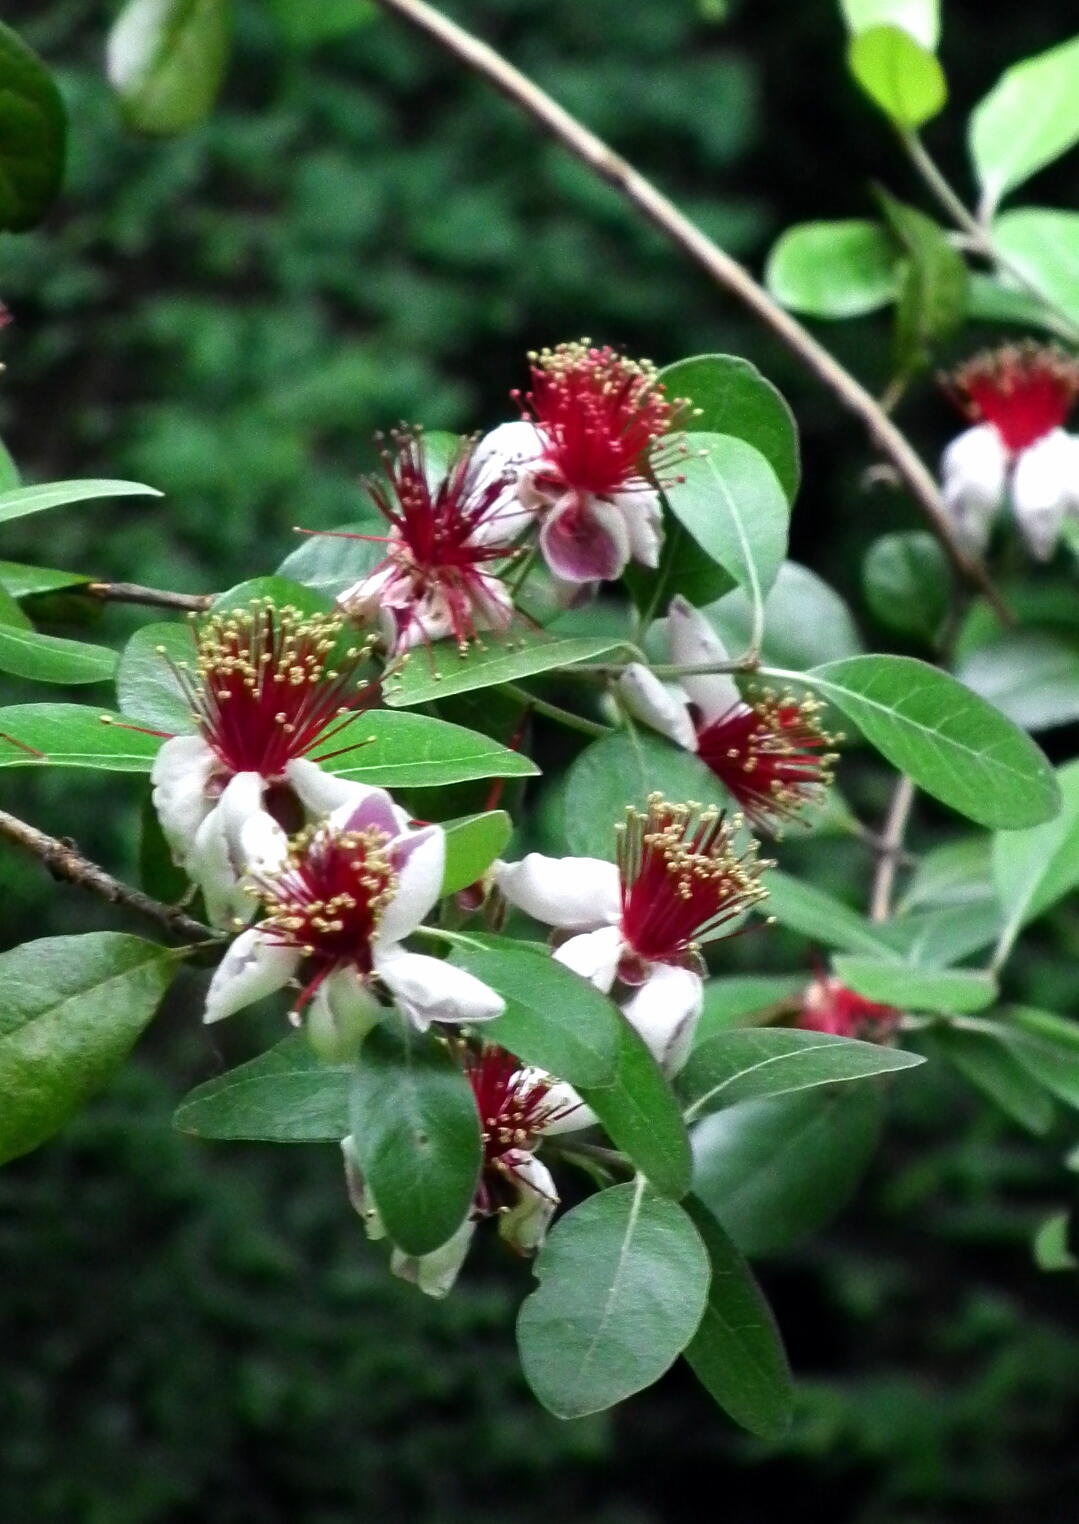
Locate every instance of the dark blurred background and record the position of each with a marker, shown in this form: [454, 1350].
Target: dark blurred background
[357, 236]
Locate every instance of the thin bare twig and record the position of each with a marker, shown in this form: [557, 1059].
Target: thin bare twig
[155, 597]
[727, 272]
[891, 849]
[66, 862]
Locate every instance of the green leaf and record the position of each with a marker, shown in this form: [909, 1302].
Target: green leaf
[739, 1000]
[746, 1065]
[803, 907]
[944, 991]
[1032, 676]
[25, 581]
[991, 300]
[898, 74]
[305, 26]
[416, 1136]
[957, 872]
[33, 134]
[932, 288]
[834, 269]
[683, 567]
[1047, 1046]
[730, 396]
[731, 502]
[986, 1063]
[286, 1095]
[11, 614]
[24, 500]
[774, 1171]
[1051, 1248]
[396, 750]
[623, 1280]
[1043, 244]
[908, 584]
[280, 591]
[146, 685]
[953, 744]
[48, 659]
[437, 672]
[642, 1116]
[623, 770]
[737, 1352]
[921, 18]
[945, 935]
[806, 622]
[72, 1010]
[1028, 119]
[1036, 868]
[166, 60]
[330, 562]
[553, 1019]
[72, 735]
[472, 844]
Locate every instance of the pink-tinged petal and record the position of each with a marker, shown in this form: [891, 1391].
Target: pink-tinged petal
[1044, 482]
[566, 1110]
[429, 989]
[663, 706]
[524, 1226]
[974, 470]
[435, 1273]
[572, 893]
[643, 516]
[508, 452]
[362, 1201]
[665, 1011]
[585, 539]
[322, 793]
[595, 955]
[692, 641]
[368, 809]
[419, 859]
[363, 600]
[180, 777]
[251, 969]
[341, 1013]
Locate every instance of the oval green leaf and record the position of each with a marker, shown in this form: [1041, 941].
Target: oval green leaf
[898, 74]
[1034, 869]
[642, 1117]
[472, 844]
[907, 583]
[48, 659]
[1028, 119]
[285, 1095]
[730, 396]
[940, 991]
[25, 500]
[834, 269]
[33, 135]
[166, 60]
[438, 671]
[72, 735]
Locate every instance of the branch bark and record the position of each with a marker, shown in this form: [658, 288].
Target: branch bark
[663, 215]
[890, 849]
[155, 597]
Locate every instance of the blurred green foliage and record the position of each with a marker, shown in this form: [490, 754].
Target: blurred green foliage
[358, 235]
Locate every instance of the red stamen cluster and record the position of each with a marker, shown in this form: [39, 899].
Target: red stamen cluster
[601, 417]
[770, 755]
[328, 899]
[263, 690]
[435, 542]
[514, 1109]
[1024, 390]
[682, 878]
[828, 1006]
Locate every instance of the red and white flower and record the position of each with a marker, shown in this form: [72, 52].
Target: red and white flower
[770, 752]
[638, 926]
[588, 455]
[828, 1006]
[446, 535]
[1018, 398]
[339, 900]
[268, 687]
[518, 1107]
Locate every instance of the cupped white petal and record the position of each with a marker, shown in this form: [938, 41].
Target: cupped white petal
[506, 454]
[1044, 485]
[180, 777]
[572, 893]
[430, 989]
[524, 1226]
[974, 471]
[223, 882]
[594, 955]
[322, 793]
[419, 858]
[585, 539]
[368, 809]
[663, 706]
[565, 1110]
[692, 641]
[435, 1273]
[643, 515]
[251, 968]
[665, 1011]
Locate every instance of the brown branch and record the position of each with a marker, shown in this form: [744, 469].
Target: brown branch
[156, 597]
[890, 849]
[66, 862]
[663, 215]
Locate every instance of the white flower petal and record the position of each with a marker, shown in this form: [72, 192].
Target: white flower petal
[572, 893]
[665, 1011]
[692, 641]
[420, 859]
[363, 600]
[210, 865]
[180, 777]
[662, 705]
[435, 1273]
[358, 1194]
[567, 1111]
[974, 471]
[643, 517]
[368, 809]
[594, 955]
[524, 1227]
[1043, 486]
[322, 793]
[506, 452]
[251, 968]
[430, 989]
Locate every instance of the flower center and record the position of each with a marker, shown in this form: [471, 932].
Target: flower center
[770, 756]
[1024, 390]
[514, 1108]
[682, 878]
[328, 898]
[263, 690]
[599, 416]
